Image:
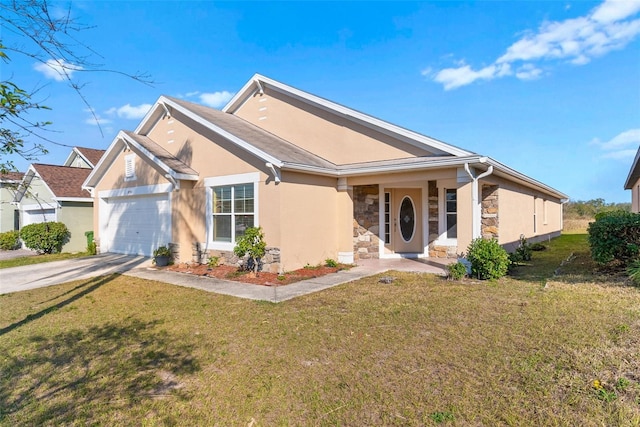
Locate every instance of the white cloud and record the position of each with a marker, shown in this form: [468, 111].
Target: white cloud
[57, 69]
[95, 121]
[216, 99]
[607, 27]
[528, 72]
[453, 78]
[129, 111]
[622, 146]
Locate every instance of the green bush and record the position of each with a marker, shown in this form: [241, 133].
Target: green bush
[634, 272]
[45, 237]
[252, 244]
[457, 270]
[330, 262]
[615, 236]
[488, 259]
[10, 240]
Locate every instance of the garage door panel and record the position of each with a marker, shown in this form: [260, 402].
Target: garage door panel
[135, 225]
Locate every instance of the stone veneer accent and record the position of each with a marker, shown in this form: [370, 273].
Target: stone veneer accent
[366, 221]
[270, 261]
[490, 227]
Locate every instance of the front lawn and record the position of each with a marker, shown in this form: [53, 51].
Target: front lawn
[37, 259]
[535, 349]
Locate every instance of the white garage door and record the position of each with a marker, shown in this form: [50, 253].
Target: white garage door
[36, 216]
[135, 225]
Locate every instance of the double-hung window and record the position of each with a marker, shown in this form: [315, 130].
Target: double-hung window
[232, 207]
[233, 211]
[451, 207]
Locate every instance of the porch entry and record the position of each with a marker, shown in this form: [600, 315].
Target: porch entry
[403, 218]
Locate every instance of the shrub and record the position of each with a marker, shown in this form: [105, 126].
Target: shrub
[457, 270]
[213, 262]
[634, 272]
[488, 259]
[252, 244]
[45, 237]
[92, 249]
[615, 236]
[10, 240]
[330, 262]
[538, 247]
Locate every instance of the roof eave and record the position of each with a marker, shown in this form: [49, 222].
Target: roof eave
[634, 174]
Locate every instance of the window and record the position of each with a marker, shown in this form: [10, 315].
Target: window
[451, 212]
[233, 211]
[387, 217]
[129, 167]
[232, 202]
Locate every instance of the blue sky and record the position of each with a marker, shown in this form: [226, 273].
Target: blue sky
[550, 88]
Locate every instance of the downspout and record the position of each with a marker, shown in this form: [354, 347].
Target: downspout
[475, 204]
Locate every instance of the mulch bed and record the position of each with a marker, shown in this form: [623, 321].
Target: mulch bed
[228, 272]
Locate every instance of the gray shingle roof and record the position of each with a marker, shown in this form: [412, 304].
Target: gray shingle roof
[257, 137]
[161, 154]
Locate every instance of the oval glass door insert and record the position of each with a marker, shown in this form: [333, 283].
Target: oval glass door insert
[407, 219]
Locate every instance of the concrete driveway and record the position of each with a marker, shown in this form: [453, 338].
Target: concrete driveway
[52, 273]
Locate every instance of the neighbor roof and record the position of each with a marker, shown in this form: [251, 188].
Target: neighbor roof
[11, 177]
[63, 181]
[92, 155]
[634, 172]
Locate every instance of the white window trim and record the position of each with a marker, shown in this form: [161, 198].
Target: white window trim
[443, 186]
[218, 181]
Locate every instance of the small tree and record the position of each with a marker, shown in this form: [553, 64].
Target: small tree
[252, 244]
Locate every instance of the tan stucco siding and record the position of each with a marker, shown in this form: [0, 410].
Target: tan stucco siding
[310, 223]
[78, 217]
[524, 211]
[635, 197]
[203, 150]
[333, 138]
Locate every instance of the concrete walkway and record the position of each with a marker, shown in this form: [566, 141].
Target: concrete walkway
[47, 274]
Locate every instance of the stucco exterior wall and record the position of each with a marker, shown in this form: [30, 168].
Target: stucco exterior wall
[310, 220]
[524, 211]
[78, 217]
[635, 197]
[327, 135]
[6, 208]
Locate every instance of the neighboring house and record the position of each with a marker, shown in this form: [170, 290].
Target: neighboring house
[8, 211]
[633, 183]
[322, 180]
[55, 193]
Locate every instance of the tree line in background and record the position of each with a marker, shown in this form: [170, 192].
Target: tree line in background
[590, 208]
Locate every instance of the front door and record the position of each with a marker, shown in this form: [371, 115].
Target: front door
[407, 220]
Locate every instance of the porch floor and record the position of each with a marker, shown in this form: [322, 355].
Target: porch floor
[421, 265]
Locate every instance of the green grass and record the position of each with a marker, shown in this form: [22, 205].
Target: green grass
[421, 351]
[37, 259]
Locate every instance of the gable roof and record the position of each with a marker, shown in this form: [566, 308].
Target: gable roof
[634, 172]
[258, 82]
[279, 153]
[11, 177]
[64, 182]
[164, 162]
[90, 155]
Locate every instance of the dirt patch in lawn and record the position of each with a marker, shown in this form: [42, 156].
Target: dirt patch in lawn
[228, 272]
